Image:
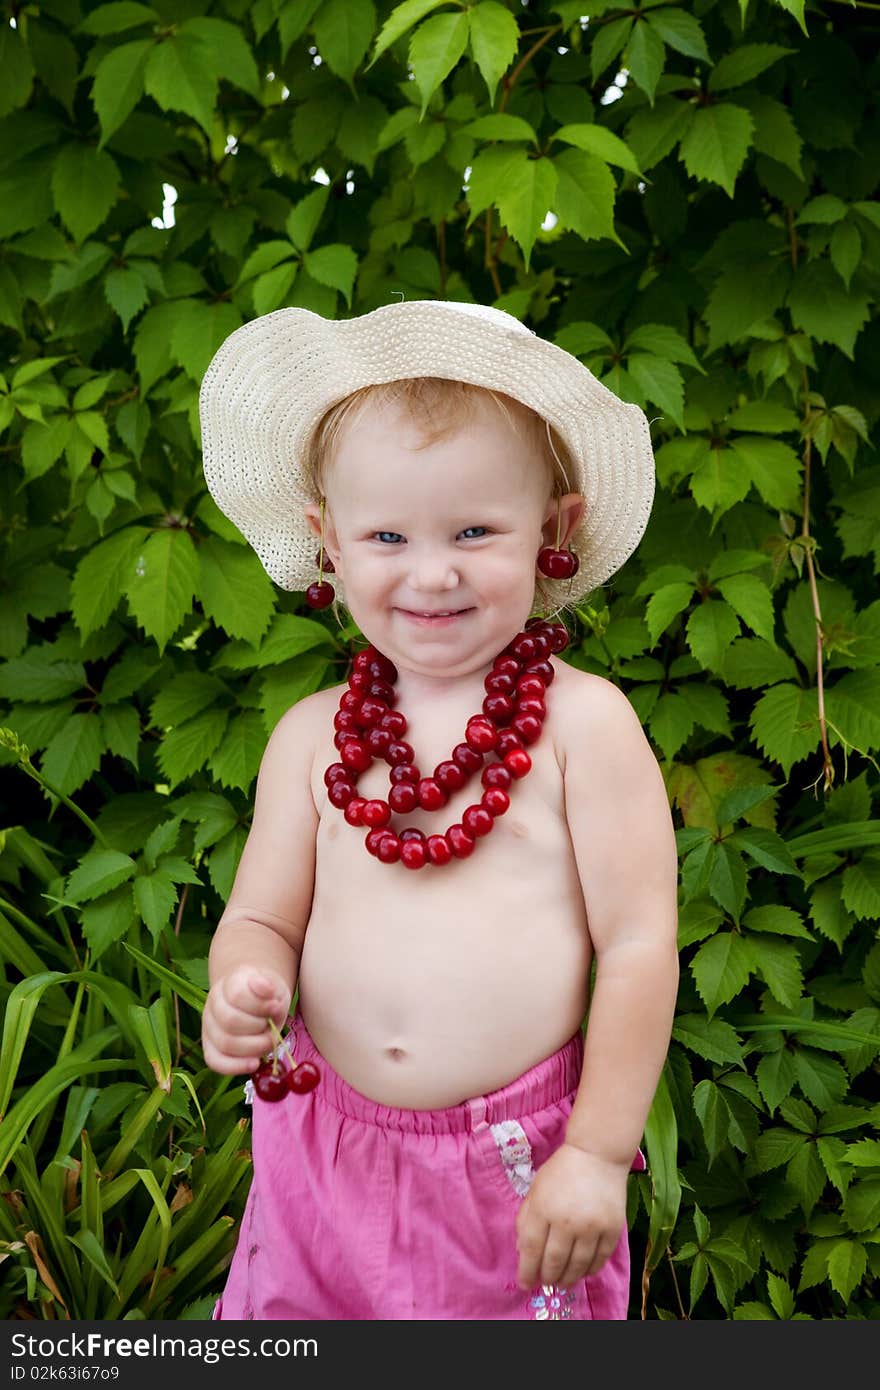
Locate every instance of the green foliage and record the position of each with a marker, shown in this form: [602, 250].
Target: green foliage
[713, 254]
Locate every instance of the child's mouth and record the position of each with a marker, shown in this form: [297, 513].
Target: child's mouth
[441, 618]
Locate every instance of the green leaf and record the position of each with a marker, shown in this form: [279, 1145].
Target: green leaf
[98, 872]
[98, 581]
[826, 208]
[161, 583]
[776, 918]
[779, 965]
[660, 382]
[775, 134]
[237, 761]
[711, 627]
[272, 288]
[644, 57]
[784, 724]
[584, 196]
[861, 1205]
[230, 54]
[184, 697]
[763, 416]
[680, 31]
[197, 330]
[846, 250]
[775, 1077]
[343, 32]
[714, 1116]
[74, 753]
[155, 898]
[180, 76]
[822, 1080]
[234, 589]
[751, 599]
[721, 969]
[662, 341]
[402, 18]
[653, 133]
[821, 306]
[434, 49]
[85, 185]
[500, 127]
[188, 746]
[523, 190]
[598, 140]
[116, 17]
[126, 292]
[665, 605]
[847, 1263]
[38, 675]
[743, 64]
[335, 265]
[494, 37]
[709, 1038]
[610, 39]
[715, 145]
[773, 467]
[121, 727]
[119, 84]
[302, 222]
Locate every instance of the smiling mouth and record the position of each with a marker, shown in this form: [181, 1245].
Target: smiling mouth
[437, 613]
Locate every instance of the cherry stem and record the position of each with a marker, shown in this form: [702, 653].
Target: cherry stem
[279, 1043]
[321, 553]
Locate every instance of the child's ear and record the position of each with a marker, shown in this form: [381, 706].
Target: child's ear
[566, 512]
[312, 513]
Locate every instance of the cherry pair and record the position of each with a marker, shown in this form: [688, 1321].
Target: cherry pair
[272, 1083]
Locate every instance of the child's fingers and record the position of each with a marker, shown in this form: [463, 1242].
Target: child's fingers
[256, 994]
[226, 1063]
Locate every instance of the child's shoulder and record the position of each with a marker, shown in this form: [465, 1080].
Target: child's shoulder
[592, 711]
[307, 720]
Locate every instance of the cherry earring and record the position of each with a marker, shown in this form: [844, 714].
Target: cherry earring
[556, 563]
[321, 594]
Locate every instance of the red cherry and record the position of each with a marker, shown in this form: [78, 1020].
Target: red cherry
[499, 683]
[460, 842]
[269, 1084]
[495, 801]
[320, 595]
[524, 647]
[303, 1078]
[450, 776]
[379, 741]
[324, 562]
[438, 849]
[353, 810]
[361, 660]
[496, 775]
[543, 643]
[373, 837]
[381, 690]
[404, 772]
[498, 708]
[557, 564]
[477, 820]
[532, 686]
[403, 798]
[413, 854]
[381, 669]
[345, 719]
[337, 772]
[431, 794]
[508, 739]
[467, 758]
[542, 669]
[376, 813]
[355, 754]
[359, 682]
[350, 700]
[528, 726]
[518, 762]
[339, 794]
[399, 753]
[342, 737]
[506, 665]
[394, 722]
[413, 833]
[389, 848]
[532, 705]
[559, 637]
[371, 711]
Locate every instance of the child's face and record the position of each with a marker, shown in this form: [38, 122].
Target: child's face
[452, 527]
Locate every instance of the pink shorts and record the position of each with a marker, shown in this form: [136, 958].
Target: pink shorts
[364, 1212]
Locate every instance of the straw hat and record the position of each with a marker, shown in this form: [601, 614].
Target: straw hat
[271, 381]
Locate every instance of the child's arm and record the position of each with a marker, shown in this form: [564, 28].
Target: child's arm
[254, 956]
[621, 827]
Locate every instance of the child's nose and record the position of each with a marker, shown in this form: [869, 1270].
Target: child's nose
[434, 569]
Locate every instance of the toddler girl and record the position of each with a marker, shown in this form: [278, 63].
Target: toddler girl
[444, 846]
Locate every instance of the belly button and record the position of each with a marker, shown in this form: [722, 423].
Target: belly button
[396, 1054]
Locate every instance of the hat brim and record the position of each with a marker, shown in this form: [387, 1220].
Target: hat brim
[273, 379]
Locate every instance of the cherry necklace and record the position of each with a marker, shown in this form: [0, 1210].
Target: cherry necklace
[368, 726]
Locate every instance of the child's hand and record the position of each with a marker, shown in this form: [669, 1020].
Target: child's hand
[572, 1218]
[235, 1032]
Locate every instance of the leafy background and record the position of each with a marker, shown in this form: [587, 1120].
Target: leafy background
[712, 250]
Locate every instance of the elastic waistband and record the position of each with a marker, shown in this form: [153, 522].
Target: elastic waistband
[545, 1084]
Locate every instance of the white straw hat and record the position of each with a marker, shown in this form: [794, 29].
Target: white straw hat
[271, 381]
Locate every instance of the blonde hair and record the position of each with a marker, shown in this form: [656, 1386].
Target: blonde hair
[438, 406]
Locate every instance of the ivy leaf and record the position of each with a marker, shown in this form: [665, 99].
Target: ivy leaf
[714, 1116]
[74, 753]
[712, 1038]
[779, 965]
[108, 919]
[500, 127]
[335, 265]
[116, 17]
[237, 761]
[653, 133]
[122, 731]
[662, 341]
[85, 185]
[98, 872]
[234, 589]
[822, 1080]
[584, 196]
[846, 250]
[784, 724]
[197, 329]
[185, 749]
[343, 32]
[97, 583]
[775, 1076]
[680, 31]
[711, 627]
[161, 583]
[716, 142]
[610, 39]
[401, 18]
[184, 697]
[494, 37]
[847, 1262]
[821, 306]
[125, 291]
[743, 64]
[522, 189]
[721, 969]
[644, 57]
[853, 705]
[751, 599]
[180, 76]
[231, 56]
[155, 897]
[434, 49]
[773, 467]
[598, 140]
[860, 887]
[775, 134]
[119, 85]
[659, 381]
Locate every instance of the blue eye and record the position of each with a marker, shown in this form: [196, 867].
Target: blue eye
[394, 534]
[474, 528]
